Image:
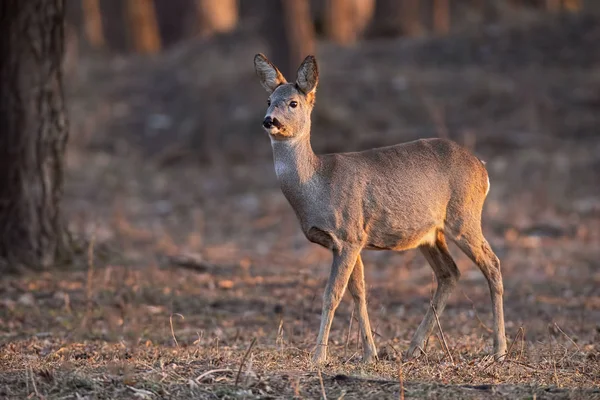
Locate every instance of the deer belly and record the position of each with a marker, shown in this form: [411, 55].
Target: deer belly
[401, 241]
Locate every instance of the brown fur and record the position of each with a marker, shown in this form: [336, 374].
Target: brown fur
[411, 195]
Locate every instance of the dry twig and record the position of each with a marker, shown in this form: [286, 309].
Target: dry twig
[567, 336]
[212, 371]
[33, 382]
[89, 283]
[521, 331]
[172, 330]
[349, 332]
[237, 378]
[322, 385]
[442, 334]
[484, 326]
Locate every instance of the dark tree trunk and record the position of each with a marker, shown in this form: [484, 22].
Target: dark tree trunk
[114, 25]
[33, 134]
[176, 20]
[396, 18]
[289, 31]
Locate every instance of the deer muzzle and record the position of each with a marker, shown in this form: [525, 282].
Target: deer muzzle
[269, 123]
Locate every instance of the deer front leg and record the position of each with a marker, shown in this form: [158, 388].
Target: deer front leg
[341, 269]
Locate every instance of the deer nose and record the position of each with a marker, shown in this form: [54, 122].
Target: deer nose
[268, 122]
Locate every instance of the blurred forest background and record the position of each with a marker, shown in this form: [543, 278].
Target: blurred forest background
[195, 95]
[174, 208]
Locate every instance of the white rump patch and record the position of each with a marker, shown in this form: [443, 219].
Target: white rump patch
[488, 187]
[430, 238]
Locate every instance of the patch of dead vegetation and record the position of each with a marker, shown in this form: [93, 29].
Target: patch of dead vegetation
[153, 333]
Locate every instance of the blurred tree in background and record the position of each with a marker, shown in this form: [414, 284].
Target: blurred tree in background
[346, 20]
[217, 16]
[93, 23]
[441, 16]
[33, 134]
[396, 18]
[33, 131]
[289, 27]
[141, 17]
[289, 31]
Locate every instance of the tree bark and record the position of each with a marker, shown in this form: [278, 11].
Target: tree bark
[290, 34]
[143, 25]
[33, 134]
[217, 16]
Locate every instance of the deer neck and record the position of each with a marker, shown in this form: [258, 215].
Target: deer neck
[295, 161]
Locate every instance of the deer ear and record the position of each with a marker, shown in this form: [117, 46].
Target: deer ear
[308, 75]
[269, 75]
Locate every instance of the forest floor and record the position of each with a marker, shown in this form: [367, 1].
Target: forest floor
[193, 279]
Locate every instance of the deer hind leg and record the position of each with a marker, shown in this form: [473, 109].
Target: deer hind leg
[447, 275]
[473, 244]
[356, 286]
[343, 263]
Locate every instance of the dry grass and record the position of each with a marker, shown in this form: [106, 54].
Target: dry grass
[251, 338]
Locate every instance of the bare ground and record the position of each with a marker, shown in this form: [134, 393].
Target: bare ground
[194, 279]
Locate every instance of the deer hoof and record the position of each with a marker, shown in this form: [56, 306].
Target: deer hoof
[369, 358]
[412, 353]
[319, 357]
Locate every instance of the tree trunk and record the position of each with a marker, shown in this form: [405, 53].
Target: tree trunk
[177, 20]
[217, 16]
[553, 5]
[345, 20]
[487, 10]
[93, 23]
[441, 16]
[395, 18]
[339, 26]
[33, 134]
[363, 14]
[572, 5]
[143, 25]
[114, 24]
[290, 34]
[74, 23]
[386, 20]
[411, 18]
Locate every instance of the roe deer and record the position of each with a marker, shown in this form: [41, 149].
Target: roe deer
[400, 197]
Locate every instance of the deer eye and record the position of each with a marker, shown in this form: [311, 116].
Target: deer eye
[268, 102]
[294, 104]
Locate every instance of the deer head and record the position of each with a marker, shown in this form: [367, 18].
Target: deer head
[289, 104]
